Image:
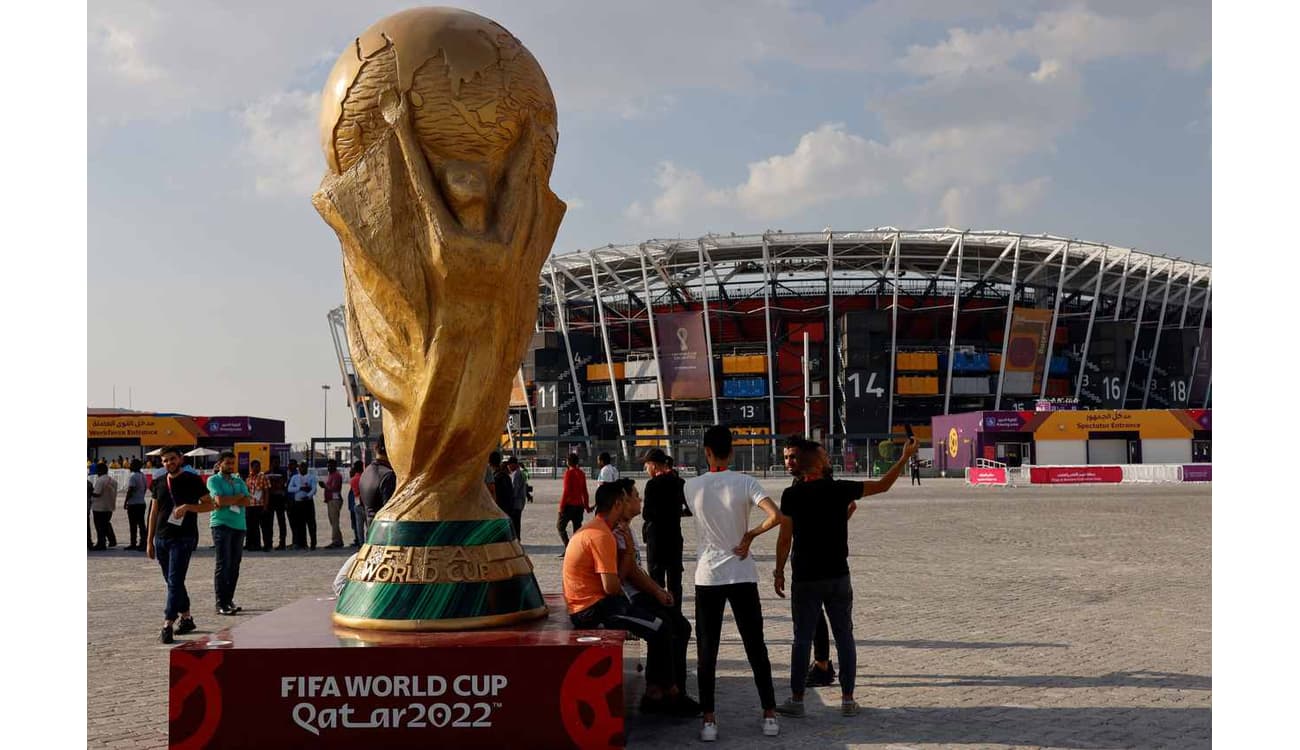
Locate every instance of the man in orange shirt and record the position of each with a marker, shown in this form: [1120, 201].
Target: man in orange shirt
[593, 592]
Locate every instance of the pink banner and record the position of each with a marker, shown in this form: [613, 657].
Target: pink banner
[987, 476]
[1076, 474]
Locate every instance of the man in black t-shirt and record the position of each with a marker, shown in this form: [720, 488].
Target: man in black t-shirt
[378, 483]
[816, 515]
[179, 497]
[664, 509]
[821, 672]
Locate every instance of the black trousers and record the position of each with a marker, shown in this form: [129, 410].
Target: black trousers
[664, 564]
[811, 600]
[302, 521]
[517, 522]
[230, 551]
[253, 541]
[748, 611]
[654, 627]
[135, 519]
[569, 514]
[104, 529]
[916, 476]
[681, 636]
[274, 512]
[822, 639]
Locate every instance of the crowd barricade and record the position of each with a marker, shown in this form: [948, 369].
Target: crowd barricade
[985, 476]
[1119, 473]
[1153, 473]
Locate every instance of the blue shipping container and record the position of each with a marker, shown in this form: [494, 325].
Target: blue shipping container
[744, 387]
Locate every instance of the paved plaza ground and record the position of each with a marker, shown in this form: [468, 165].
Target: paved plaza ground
[1028, 617]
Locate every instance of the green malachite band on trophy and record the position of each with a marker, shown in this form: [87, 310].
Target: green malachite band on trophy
[439, 533]
[439, 601]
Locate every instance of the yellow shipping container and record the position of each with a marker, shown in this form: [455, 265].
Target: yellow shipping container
[600, 372]
[525, 443]
[917, 361]
[751, 440]
[651, 442]
[754, 364]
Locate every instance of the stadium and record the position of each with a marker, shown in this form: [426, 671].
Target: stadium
[648, 344]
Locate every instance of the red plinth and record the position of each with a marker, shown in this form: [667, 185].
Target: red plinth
[291, 678]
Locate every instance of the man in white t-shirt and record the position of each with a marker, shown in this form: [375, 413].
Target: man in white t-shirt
[607, 471]
[720, 502]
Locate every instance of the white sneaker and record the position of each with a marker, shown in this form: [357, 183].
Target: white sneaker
[770, 727]
[709, 732]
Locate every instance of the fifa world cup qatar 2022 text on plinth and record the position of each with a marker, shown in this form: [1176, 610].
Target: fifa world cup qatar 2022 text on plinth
[439, 129]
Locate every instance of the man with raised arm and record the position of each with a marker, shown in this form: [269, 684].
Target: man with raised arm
[816, 514]
[720, 502]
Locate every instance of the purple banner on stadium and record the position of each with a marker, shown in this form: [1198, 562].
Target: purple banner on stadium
[1197, 472]
[684, 360]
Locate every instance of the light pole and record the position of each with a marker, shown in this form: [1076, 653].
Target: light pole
[325, 407]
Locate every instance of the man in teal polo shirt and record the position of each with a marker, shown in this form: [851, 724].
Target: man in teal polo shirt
[229, 524]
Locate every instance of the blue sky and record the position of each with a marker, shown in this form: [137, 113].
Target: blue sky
[1083, 119]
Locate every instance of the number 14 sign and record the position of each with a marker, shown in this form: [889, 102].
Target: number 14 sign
[855, 388]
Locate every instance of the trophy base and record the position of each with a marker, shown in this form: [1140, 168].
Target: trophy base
[291, 678]
[459, 623]
[439, 576]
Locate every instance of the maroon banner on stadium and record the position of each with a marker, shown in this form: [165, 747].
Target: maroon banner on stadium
[684, 359]
[1026, 351]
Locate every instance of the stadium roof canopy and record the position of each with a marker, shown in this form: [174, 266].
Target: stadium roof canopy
[936, 261]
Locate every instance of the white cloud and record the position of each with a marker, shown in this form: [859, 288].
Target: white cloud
[827, 164]
[1019, 198]
[956, 205]
[282, 144]
[984, 102]
[1046, 70]
[682, 194]
[1179, 33]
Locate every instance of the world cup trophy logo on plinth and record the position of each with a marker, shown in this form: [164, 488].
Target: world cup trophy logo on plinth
[439, 129]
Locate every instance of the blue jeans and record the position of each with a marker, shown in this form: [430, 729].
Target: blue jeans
[174, 559]
[807, 599]
[230, 551]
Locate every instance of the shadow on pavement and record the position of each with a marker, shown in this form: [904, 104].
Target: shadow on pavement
[1166, 680]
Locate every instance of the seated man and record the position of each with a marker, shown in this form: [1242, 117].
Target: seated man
[644, 593]
[593, 593]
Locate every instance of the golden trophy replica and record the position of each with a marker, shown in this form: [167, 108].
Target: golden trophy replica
[439, 130]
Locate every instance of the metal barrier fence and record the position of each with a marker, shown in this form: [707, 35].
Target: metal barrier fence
[753, 453]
